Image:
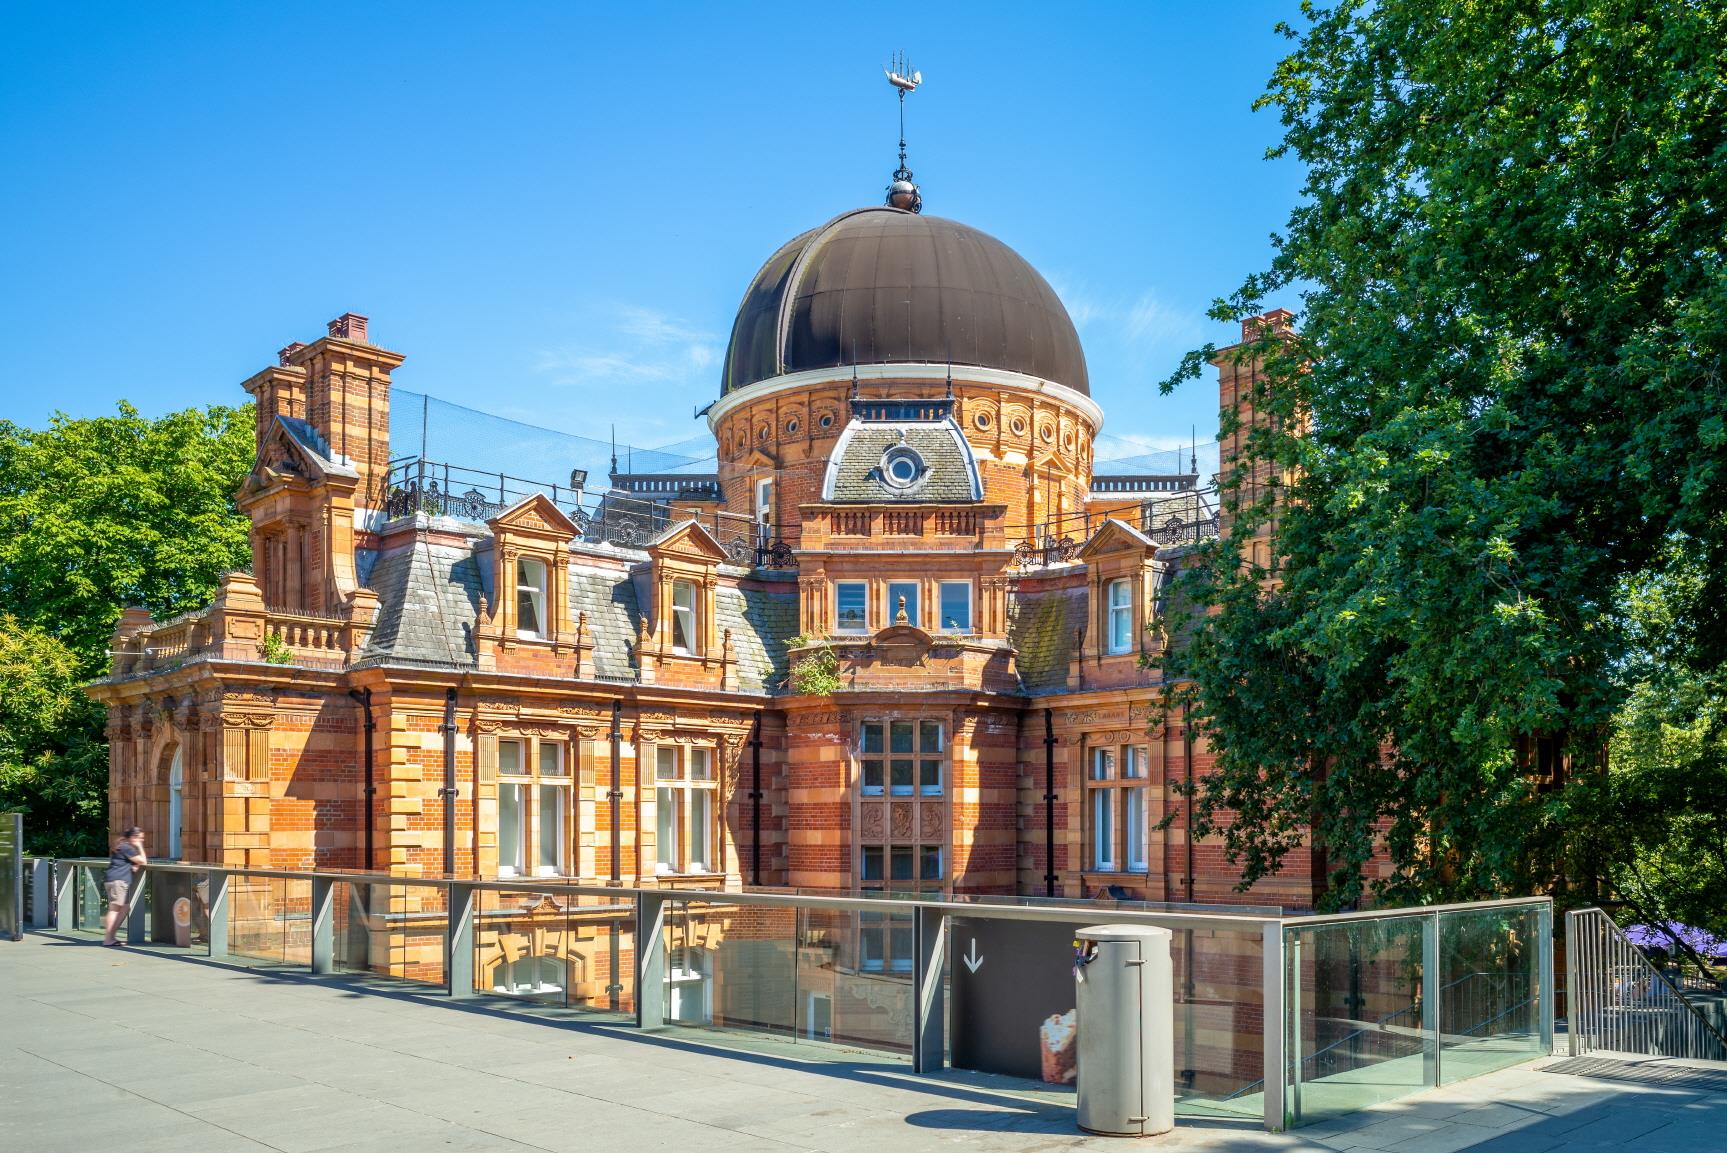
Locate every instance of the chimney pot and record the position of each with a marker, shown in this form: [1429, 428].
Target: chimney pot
[287, 354]
[349, 326]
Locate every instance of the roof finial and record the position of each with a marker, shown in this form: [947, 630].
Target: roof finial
[902, 193]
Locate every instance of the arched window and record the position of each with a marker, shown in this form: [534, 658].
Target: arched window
[176, 805]
[527, 976]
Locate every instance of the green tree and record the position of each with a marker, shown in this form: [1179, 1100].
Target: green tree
[97, 514]
[1663, 813]
[1504, 404]
[53, 765]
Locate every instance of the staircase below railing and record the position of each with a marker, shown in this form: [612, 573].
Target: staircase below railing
[1618, 1002]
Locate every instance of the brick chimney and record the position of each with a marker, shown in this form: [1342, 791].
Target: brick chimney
[1239, 377]
[348, 398]
[349, 326]
[279, 389]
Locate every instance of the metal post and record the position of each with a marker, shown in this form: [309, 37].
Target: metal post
[1430, 1000]
[1544, 973]
[216, 907]
[650, 961]
[755, 798]
[1049, 874]
[459, 941]
[616, 793]
[1276, 1017]
[135, 910]
[1573, 991]
[928, 1011]
[448, 793]
[65, 896]
[41, 882]
[323, 925]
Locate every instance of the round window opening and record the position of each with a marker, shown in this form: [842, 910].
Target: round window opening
[792, 424]
[827, 420]
[1018, 426]
[901, 467]
[982, 420]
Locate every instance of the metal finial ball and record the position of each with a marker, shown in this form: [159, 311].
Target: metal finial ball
[904, 194]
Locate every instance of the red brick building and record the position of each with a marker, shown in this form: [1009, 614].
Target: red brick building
[903, 637]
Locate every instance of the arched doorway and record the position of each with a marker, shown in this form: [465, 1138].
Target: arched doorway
[176, 805]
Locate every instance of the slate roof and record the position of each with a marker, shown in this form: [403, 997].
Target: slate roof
[761, 623]
[310, 440]
[854, 472]
[428, 601]
[1040, 626]
[614, 617]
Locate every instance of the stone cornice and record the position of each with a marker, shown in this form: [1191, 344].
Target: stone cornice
[937, 374]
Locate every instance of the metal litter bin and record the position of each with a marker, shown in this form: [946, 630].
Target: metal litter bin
[1126, 1023]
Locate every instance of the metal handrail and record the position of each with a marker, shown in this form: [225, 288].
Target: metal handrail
[1251, 919]
[1215, 921]
[1618, 1001]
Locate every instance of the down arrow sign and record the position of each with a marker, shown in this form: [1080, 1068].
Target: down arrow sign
[972, 960]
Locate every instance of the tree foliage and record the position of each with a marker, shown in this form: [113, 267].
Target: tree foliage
[95, 515]
[1663, 812]
[1504, 407]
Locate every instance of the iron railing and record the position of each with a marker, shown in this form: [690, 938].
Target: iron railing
[638, 509]
[1617, 1001]
[1182, 519]
[626, 519]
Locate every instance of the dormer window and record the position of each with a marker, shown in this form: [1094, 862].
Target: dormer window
[530, 598]
[683, 616]
[1120, 616]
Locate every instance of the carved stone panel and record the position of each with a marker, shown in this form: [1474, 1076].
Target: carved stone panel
[870, 819]
[902, 825]
[930, 822]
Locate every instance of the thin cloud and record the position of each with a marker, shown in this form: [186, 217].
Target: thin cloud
[1140, 321]
[640, 346]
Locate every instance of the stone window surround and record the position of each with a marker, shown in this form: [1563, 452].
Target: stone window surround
[534, 782]
[918, 756]
[881, 612]
[1112, 773]
[683, 784]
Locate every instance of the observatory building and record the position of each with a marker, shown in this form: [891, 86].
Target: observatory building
[904, 637]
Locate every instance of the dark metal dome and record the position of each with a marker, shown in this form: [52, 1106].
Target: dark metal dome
[886, 286]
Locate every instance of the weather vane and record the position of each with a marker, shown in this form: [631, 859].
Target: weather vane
[902, 193]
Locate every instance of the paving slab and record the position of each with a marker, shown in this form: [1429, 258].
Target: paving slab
[158, 1050]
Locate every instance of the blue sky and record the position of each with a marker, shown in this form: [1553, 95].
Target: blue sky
[553, 210]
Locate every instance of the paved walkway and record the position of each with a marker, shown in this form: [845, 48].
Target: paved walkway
[104, 1048]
